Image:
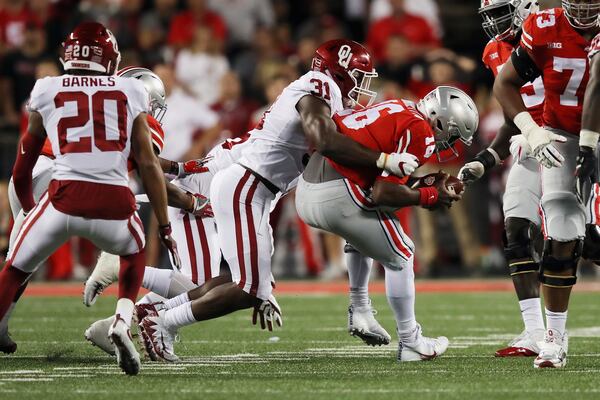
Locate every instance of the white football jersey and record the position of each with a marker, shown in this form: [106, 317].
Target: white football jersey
[277, 149]
[88, 121]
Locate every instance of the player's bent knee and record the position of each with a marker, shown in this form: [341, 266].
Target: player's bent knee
[564, 217]
[519, 236]
[559, 272]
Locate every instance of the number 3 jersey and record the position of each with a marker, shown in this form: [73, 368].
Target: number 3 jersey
[560, 54]
[278, 149]
[88, 120]
[391, 126]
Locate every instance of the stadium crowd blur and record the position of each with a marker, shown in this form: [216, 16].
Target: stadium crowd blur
[224, 61]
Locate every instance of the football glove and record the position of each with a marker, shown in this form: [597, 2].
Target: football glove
[399, 164]
[164, 232]
[193, 167]
[269, 312]
[540, 140]
[476, 168]
[520, 148]
[201, 206]
[586, 173]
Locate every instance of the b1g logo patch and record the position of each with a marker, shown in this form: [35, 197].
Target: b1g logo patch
[344, 55]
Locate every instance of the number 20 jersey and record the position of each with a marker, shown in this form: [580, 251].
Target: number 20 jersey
[278, 149]
[88, 120]
[560, 53]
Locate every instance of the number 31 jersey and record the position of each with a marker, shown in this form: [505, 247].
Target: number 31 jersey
[560, 53]
[394, 126]
[277, 149]
[88, 120]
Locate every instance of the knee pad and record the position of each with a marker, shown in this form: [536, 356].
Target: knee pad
[591, 244]
[550, 266]
[518, 246]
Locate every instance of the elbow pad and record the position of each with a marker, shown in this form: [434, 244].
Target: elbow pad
[524, 65]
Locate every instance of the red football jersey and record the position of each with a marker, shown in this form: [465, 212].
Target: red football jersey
[560, 53]
[391, 126]
[495, 55]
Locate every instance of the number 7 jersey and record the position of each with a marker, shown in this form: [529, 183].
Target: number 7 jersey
[88, 120]
[560, 53]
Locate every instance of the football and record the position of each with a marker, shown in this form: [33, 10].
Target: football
[453, 184]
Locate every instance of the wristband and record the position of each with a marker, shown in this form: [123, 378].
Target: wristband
[488, 157]
[588, 138]
[382, 160]
[524, 121]
[428, 196]
[165, 230]
[174, 169]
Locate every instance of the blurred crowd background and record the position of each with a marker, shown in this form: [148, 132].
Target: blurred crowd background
[224, 62]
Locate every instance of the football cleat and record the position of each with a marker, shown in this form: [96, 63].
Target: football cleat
[362, 324]
[141, 311]
[553, 350]
[421, 348]
[7, 345]
[524, 345]
[127, 356]
[105, 272]
[157, 339]
[97, 335]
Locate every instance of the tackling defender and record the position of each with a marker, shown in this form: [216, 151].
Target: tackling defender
[88, 195]
[554, 45]
[354, 203]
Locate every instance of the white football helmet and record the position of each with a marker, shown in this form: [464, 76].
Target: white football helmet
[453, 116]
[582, 14]
[154, 86]
[502, 19]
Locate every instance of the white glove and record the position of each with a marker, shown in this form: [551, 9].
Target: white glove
[399, 164]
[269, 312]
[471, 171]
[540, 140]
[520, 148]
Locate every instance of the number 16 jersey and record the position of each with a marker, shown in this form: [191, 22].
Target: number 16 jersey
[88, 120]
[560, 54]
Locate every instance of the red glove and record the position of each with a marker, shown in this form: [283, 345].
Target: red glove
[164, 232]
[201, 206]
[193, 167]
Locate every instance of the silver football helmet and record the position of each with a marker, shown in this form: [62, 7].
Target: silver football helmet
[502, 19]
[582, 14]
[453, 116]
[154, 86]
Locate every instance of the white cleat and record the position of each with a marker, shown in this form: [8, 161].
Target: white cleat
[553, 350]
[127, 355]
[422, 348]
[105, 272]
[158, 340]
[97, 335]
[524, 345]
[362, 323]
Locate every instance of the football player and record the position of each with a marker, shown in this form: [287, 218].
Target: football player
[554, 45]
[502, 21]
[88, 195]
[271, 161]
[356, 203]
[42, 174]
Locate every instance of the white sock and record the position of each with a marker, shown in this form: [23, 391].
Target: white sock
[531, 311]
[4, 320]
[157, 280]
[556, 321]
[177, 301]
[359, 268]
[125, 310]
[179, 316]
[400, 291]
[150, 298]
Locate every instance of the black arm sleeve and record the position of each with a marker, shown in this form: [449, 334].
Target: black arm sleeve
[524, 65]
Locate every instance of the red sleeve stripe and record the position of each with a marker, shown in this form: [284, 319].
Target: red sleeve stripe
[526, 40]
[157, 140]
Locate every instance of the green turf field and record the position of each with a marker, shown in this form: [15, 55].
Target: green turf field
[313, 358]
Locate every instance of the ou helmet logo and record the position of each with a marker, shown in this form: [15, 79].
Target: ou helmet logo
[344, 55]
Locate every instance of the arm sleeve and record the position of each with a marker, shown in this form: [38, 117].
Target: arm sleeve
[29, 151]
[524, 65]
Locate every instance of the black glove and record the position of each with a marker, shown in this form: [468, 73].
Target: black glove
[586, 173]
